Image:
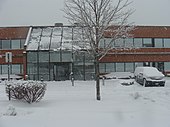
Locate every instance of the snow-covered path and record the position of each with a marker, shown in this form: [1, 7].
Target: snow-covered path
[66, 106]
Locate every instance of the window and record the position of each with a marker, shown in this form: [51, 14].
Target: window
[167, 43]
[167, 66]
[119, 43]
[138, 64]
[43, 56]
[109, 42]
[110, 67]
[32, 68]
[0, 69]
[102, 67]
[54, 56]
[66, 56]
[120, 67]
[0, 44]
[137, 42]
[16, 69]
[129, 42]
[6, 44]
[22, 43]
[32, 57]
[158, 42]
[129, 67]
[102, 43]
[15, 44]
[5, 69]
[147, 42]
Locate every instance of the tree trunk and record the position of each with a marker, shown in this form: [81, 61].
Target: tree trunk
[97, 79]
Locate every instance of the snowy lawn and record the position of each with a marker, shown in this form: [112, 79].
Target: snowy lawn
[75, 106]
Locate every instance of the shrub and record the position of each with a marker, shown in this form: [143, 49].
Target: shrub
[30, 91]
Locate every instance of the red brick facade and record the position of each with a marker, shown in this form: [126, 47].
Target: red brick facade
[138, 55]
[9, 33]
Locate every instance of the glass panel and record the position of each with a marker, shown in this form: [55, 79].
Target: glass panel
[78, 72]
[33, 77]
[22, 70]
[89, 71]
[120, 67]
[22, 43]
[79, 57]
[4, 69]
[44, 71]
[108, 43]
[0, 69]
[167, 66]
[31, 68]
[147, 42]
[45, 38]
[102, 68]
[167, 43]
[138, 64]
[66, 56]
[54, 56]
[110, 67]
[158, 43]
[16, 69]
[32, 57]
[129, 42]
[88, 57]
[15, 44]
[6, 44]
[119, 43]
[0, 44]
[129, 67]
[137, 42]
[43, 56]
[102, 43]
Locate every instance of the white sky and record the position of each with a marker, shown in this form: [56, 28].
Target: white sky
[48, 12]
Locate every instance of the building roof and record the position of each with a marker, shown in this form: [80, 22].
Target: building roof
[13, 32]
[55, 38]
[151, 32]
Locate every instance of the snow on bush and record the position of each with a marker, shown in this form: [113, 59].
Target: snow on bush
[30, 91]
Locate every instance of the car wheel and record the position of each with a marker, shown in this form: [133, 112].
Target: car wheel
[144, 82]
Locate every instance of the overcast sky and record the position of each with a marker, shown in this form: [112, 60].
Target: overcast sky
[48, 12]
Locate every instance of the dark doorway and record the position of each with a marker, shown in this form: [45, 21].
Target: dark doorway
[61, 71]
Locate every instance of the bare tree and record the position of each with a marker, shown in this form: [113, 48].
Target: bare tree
[99, 17]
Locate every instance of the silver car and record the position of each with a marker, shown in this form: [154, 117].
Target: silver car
[149, 76]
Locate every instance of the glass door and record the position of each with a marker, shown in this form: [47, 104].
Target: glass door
[61, 71]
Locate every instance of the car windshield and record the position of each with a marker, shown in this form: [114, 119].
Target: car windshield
[152, 72]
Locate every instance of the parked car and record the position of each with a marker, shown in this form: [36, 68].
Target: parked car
[149, 76]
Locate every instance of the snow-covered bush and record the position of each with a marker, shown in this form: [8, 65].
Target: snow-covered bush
[30, 91]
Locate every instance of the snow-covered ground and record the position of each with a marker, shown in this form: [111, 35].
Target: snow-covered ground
[65, 105]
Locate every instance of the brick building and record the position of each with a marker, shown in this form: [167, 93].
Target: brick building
[12, 39]
[44, 57]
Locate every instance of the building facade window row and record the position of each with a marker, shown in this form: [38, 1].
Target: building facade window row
[137, 43]
[12, 44]
[14, 69]
[130, 66]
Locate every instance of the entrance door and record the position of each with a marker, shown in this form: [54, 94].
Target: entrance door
[61, 71]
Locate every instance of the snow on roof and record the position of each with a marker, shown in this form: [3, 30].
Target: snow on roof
[55, 38]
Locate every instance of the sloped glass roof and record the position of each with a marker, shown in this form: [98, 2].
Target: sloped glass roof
[56, 38]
